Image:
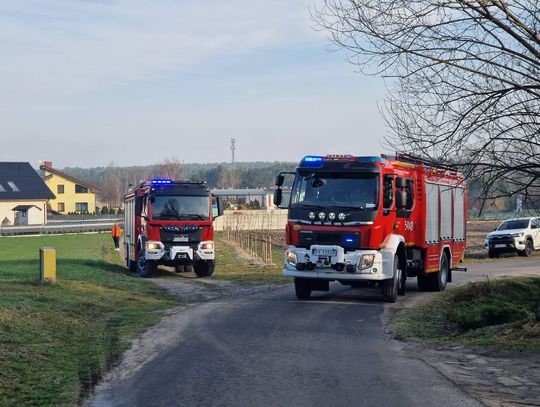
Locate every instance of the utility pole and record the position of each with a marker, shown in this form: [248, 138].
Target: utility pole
[233, 147]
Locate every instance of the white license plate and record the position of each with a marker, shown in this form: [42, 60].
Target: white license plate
[324, 252]
[180, 239]
[500, 245]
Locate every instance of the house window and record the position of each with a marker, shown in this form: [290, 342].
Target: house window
[81, 207]
[79, 189]
[61, 207]
[60, 189]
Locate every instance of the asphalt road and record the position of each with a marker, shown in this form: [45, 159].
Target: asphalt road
[273, 350]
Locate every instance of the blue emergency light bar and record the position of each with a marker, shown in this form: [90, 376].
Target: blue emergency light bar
[161, 181]
[316, 160]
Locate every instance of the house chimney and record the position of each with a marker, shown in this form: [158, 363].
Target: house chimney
[47, 164]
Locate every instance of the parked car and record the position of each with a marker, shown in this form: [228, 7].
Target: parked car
[520, 235]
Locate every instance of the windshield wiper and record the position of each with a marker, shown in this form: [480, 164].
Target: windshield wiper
[196, 216]
[360, 208]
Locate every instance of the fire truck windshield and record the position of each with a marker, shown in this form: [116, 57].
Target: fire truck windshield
[349, 190]
[181, 208]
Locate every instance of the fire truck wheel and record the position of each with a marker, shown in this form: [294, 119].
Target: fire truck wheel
[423, 282]
[204, 268]
[402, 278]
[439, 279]
[392, 286]
[131, 265]
[145, 268]
[302, 287]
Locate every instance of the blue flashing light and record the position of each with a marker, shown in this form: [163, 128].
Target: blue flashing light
[350, 241]
[161, 181]
[312, 161]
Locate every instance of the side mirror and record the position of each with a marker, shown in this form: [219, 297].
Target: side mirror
[217, 207]
[401, 182]
[279, 180]
[401, 199]
[278, 195]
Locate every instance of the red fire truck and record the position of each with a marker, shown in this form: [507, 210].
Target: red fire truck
[372, 221]
[170, 223]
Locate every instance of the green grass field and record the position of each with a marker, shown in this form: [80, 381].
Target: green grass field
[57, 340]
[230, 266]
[500, 314]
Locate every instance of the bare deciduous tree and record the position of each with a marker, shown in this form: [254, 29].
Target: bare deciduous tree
[464, 87]
[171, 168]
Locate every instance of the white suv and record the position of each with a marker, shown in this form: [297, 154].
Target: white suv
[521, 235]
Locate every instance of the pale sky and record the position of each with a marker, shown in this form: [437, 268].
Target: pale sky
[89, 82]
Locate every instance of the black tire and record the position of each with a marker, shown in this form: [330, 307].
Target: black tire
[423, 282]
[493, 254]
[391, 286]
[302, 288]
[440, 278]
[402, 280]
[131, 265]
[145, 268]
[204, 268]
[528, 249]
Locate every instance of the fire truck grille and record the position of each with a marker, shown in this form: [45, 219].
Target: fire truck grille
[181, 236]
[307, 239]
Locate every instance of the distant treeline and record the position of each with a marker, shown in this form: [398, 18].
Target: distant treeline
[114, 181]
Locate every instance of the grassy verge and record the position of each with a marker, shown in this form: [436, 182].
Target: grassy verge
[57, 341]
[231, 266]
[498, 314]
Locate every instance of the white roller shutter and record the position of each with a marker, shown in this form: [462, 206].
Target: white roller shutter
[446, 212]
[459, 214]
[432, 213]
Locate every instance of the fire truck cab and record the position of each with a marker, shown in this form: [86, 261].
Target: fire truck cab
[372, 221]
[169, 223]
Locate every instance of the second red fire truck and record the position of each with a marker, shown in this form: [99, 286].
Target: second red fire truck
[373, 221]
[170, 223]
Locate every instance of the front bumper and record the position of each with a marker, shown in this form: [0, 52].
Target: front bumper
[381, 269]
[508, 245]
[156, 251]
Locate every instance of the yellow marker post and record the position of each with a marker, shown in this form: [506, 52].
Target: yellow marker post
[47, 259]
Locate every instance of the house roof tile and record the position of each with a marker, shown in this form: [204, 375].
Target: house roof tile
[18, 180]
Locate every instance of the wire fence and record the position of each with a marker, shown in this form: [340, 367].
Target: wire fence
[252, 220]
[256, 243]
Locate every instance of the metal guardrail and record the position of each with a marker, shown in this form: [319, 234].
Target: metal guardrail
[81, 227]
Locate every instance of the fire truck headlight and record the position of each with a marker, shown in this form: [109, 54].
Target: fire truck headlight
[322, 215]
[366, 261]
[332, 216]
[311, 215]
[341, 217]
[208, 245]
[291, 257]
[154, 245]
